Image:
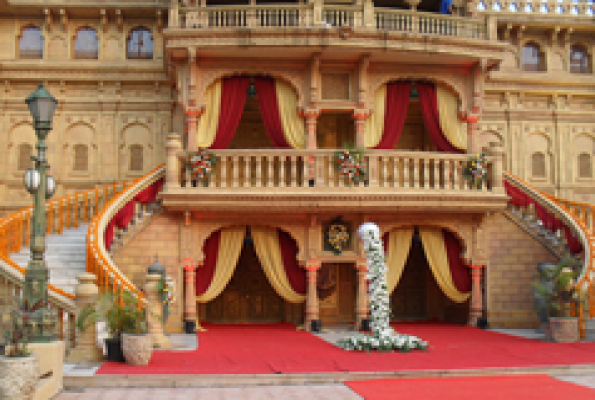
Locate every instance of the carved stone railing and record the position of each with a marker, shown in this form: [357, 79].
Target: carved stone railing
[99, 259]
[315, 170]
[329, 16]
[578, 218]
[61, 213]
[554, 8]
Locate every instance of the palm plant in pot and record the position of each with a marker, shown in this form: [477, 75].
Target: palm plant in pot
[560, 295]
[137, 344]
[19, 369]
[109, 310]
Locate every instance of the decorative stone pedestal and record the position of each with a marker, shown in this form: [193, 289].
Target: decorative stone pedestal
[154, 314]
[86, 350]
[51, 359]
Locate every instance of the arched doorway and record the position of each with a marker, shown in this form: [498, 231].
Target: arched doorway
[248, 297]
[336, 290]
[417, 296]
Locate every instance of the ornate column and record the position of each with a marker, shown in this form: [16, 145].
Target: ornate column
[312, 309]
[497, 151]
[476, 294]
[172, 166]
[190, 297]
[86, 349]
[360, 120]
[155, 312]
[472, 134]
[192, 116]
[361, 311]
[311, 117]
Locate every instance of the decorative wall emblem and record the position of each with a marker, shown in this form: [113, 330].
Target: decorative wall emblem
[337, 236]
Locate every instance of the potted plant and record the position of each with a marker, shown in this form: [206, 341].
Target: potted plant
[19, 369]
[108, 310]
[137, 344]
[557, 286]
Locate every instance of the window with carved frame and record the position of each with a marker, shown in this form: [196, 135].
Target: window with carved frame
[585, 165]
[538, 165]
[31, 43]
[140, 44]
[136, 157]
[533, 58]
[86, 44]
[579, 60]
[24, 161]
[81, 158]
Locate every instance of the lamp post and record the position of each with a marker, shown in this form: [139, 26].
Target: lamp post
[42, 106]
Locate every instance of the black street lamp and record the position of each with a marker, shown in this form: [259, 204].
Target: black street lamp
[42, 106]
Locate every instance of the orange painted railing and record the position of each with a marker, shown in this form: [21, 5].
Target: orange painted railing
[63, 212]
[99, 261]
[579, 217]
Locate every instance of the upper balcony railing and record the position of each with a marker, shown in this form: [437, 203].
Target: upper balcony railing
[307, 16]
[559, 8]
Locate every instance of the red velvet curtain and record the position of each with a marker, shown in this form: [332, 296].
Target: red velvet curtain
[204, 274]
[397, 101]
[295, 275]
[429, 112]
[269, 110]
[233, 100]
[150, 193]
[460, 273]
[108, 235]
[520, 199]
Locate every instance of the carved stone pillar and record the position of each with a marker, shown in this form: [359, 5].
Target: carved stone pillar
[472, 145]
[497, 152]
[311, 117]
[191, 127]
[312, 309]
[172, 166]
[190, 297]
[155, 312]
[361, 311]
[86, 349]
[360, 120]
[476, 294]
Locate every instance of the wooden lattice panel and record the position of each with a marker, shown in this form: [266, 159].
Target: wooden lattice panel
[335, 87]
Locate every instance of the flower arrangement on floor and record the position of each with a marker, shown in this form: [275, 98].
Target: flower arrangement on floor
[202, 164]
[382, 337]
[349, 164]
[337, 236]
[476, 170]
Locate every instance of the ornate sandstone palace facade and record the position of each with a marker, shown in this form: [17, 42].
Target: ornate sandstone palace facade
[141, 82]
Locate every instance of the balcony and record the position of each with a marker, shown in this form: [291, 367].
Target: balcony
[294, 181]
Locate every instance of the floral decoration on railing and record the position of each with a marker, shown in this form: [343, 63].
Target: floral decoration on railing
[337, 236]
[349, 164]
[476, 171]
[202, 164]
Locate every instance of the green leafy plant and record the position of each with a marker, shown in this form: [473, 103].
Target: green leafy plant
[121, 314]
[349, 163]
[562, 292]
[22, 328]
[476, 171]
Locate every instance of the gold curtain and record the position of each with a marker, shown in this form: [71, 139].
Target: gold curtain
[266, 243]
[374, 124]
[448, 113]
[399, 244]
[230, 247]
[293, 125]
[435, 249]
[207, 125]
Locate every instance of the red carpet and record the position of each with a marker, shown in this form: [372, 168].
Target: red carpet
[279, 348]
[527, 387]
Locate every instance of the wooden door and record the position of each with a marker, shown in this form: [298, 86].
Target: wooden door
[248, 297]
[409, 299]
[339, 307]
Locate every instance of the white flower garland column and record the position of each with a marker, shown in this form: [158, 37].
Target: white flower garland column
[383, 337]
[362, 295]
[312, 309]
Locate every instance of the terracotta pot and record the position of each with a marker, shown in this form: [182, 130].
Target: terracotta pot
[18, 377]
[137, 348]
[564, 329]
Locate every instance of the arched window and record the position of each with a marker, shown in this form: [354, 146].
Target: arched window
[25, 152]
[140, 44]
[579, 60]
[81, 158]
[538, 165]
[31, 44]
[86, 44]
[533, 58]
[136, 157]
[585, 165]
